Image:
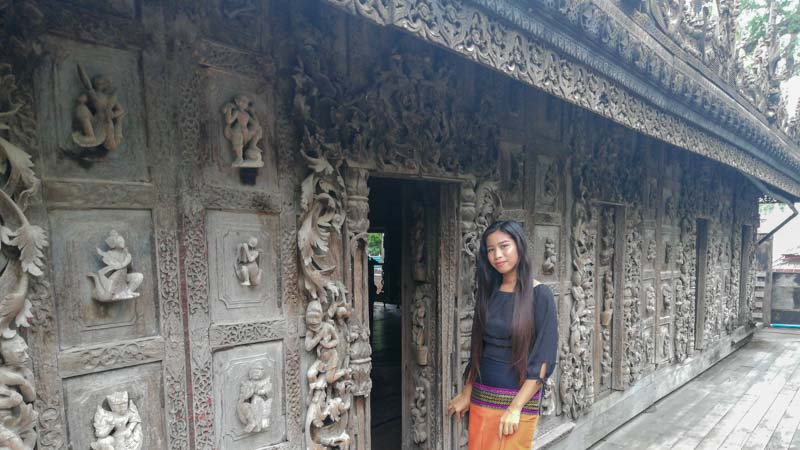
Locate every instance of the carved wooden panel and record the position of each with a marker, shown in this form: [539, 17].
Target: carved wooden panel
[224, 90]
[62, 92]
[250, 400]
[546, 257]
[548, 181]
[85, 394]
[238, 289]
[77, 237]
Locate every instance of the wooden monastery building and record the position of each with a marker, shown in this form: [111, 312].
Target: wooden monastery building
[188, 188]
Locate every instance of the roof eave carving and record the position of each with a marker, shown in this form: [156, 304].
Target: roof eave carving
[600, 61]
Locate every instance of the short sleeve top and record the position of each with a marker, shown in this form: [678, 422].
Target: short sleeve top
[496, 367]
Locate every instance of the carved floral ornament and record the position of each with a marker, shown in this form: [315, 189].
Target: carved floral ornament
[21, 244]
[471, 33]
[388, 125]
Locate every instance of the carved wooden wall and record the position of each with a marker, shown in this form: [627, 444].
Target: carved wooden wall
[204, 198]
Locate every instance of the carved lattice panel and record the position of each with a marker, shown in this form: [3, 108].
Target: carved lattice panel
[77, 237]
[231, 300]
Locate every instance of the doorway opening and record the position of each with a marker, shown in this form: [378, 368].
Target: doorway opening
[385, 297]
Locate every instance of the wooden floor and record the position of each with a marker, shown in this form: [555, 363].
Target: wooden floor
[749, 400]
[386, 395]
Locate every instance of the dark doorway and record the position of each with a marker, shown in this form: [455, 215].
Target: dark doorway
[385, 274]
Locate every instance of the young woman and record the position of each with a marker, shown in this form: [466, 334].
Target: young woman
[514, 344]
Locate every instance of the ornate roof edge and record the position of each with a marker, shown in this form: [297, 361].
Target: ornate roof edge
[538, 55]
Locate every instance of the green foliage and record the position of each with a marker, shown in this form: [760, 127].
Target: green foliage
[754, 15]
[374, 243]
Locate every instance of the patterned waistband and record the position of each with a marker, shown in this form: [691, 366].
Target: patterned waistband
[500, 398]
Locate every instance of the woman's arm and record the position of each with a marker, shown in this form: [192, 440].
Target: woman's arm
[460, 403]
[509, 422]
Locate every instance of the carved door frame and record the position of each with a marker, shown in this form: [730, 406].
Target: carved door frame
[443, 279]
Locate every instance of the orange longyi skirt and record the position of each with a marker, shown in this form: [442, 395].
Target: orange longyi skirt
[485, 410]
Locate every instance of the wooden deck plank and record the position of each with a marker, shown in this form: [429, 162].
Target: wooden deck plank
[787, 427]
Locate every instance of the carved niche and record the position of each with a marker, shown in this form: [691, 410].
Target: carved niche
[242, 265]
[100, 307]
[127, 407]
[117, 427]
[241, 125]
[93, 98]
[249, 392]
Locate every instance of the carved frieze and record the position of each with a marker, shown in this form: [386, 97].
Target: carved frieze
[472, 33]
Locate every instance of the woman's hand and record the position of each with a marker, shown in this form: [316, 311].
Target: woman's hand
[509, 422]
[459, 404]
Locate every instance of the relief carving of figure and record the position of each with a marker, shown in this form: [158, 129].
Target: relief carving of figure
[254, 405]
[550, 258]
[119, 427]
[651, 250]
[243, 131]
[418, 330]
[248, 260]
[419, 415]
[113, 282]
[17, 393]
[418, 239]
[650, 295]
[322, 336]
[98, 114]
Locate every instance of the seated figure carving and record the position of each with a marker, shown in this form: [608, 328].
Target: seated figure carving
[113, 282]
[254, 404]
[248, 260]
[120, 427]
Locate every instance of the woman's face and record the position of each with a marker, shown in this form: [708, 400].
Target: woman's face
[501, 251]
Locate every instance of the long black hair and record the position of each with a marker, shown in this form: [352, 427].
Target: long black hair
[489, 281]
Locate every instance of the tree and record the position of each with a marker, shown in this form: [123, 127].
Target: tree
[374, 244]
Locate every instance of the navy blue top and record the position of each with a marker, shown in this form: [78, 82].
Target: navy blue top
[496, 369]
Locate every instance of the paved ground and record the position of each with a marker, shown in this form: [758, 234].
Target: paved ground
[749, 400]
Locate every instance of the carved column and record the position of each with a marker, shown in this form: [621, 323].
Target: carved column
[357, 284]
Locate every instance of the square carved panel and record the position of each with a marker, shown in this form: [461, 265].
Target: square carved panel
[249, 396]
[221, 92]
[86, 394]
[88, 313]
[546, 257]
[62, 90]
[242, 288]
